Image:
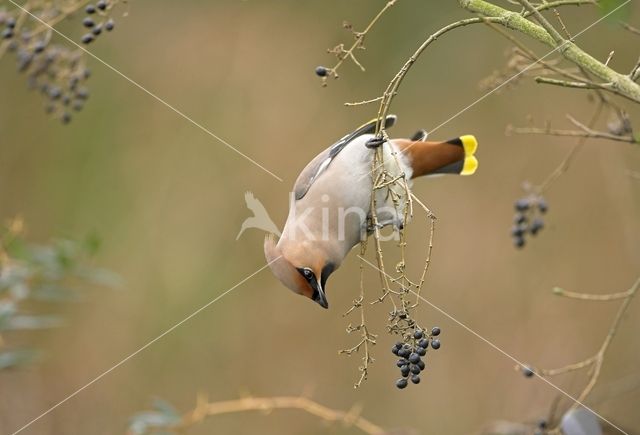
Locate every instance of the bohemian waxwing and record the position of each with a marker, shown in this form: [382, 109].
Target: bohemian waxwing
[331, 201]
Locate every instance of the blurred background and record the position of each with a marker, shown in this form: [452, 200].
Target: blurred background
[168, 201]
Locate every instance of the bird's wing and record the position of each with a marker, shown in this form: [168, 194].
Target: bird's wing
[317, 166]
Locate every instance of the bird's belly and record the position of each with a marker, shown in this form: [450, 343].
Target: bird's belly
[338, 205]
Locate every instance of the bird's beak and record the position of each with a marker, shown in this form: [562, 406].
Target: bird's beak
[319, 296]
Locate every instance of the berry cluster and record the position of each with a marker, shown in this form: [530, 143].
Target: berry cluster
[528, 218]
[56, 71]
[411, 352]
[100, 9]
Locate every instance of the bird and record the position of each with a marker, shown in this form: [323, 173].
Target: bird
[330, 206]
[260, 218]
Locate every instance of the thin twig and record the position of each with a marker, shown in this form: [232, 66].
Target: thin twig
[543, 21]
[592, 297]
[593, 134]
[359, 39]
[596, 361]
[630, 28]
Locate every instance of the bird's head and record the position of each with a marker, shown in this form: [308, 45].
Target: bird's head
[302, 269]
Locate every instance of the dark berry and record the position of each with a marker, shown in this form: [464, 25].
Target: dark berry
[55, 93]
[536, 226]
[424, 343]
[86, 73]
[102, 5]
[401, 383]
[435, 331]
[109, 25]
[39, 47]
[435, 343]
[87, 38]
[404, 370]
[82, 94]
[398, 345]
[518, 242]
[402, 362]
[415, 379]
[88, 22]
[542, 423]
[404, 353]
[418, 334]
[518, 230]
[78, 105]
[542, 205]
[394, 350]
[527, 371]
[90, 9]
[11, 22]
[73, 83]
[421, 351]
[415, 369]
[24, 60]
[66, 118]
[522, 204]
[414, 358]
[7, 33]
[66, 100]
[519, 218]
[421, 365]
[321, 71]
[97, 30]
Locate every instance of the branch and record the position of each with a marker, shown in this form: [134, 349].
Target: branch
[567, 84]
[344, 54]
[584, 131]
[543, 22]
[595, 362]
[395, 83]
[205, 409]
[571, 52]
[630, 28]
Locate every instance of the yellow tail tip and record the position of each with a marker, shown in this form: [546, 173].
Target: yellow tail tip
[470, 145]
[470, 164]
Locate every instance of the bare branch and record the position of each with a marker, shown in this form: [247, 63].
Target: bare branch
[567, 49]
[584, 131]
[596, 361]
[205, 409]
[630, 28]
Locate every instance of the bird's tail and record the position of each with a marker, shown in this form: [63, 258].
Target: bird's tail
[455, 156]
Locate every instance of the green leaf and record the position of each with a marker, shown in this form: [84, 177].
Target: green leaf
[18, 357]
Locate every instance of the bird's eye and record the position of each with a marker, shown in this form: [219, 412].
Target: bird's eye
[307, 273]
